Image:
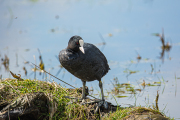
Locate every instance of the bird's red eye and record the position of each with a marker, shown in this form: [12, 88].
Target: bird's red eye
[77, 43]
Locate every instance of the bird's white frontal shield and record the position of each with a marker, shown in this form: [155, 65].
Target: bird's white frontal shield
[81, 42]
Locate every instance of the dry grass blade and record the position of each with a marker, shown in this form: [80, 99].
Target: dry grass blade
[15, 76]
[157, 97]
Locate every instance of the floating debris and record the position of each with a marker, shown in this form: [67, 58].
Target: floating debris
[138, 90]
[26, 62]
[41, 64]
[138, 57]
[150, 84]
[157, 98]
[143, 84]
[152, 68]
[25, 71]
[110, 35]
[5, 62]
[121, 96]
[15, 76]
[124, 88]
[27, 50]
[52, 30]
[165, 47]
[57, 16]
[129, 72]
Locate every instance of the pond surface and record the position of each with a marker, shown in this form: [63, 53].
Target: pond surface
[127, 27]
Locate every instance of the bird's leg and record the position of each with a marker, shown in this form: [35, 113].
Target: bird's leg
[83, 94]
[101, 87]
[103, 102]
[82, 99]
[83, 90]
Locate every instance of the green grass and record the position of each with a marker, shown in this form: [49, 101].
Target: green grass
[127, 113]
[12, 89]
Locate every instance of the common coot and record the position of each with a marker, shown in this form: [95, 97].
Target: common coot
[85, 61]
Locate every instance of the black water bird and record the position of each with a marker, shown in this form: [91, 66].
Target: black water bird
[85, 61]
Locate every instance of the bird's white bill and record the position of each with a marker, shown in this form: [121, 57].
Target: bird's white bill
[82, 49]
[81, 42]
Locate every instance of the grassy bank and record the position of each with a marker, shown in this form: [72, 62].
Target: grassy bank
[58, 105]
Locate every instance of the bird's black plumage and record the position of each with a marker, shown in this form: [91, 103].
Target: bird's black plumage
[89, 66]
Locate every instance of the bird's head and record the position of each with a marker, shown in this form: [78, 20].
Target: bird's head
[76, 43]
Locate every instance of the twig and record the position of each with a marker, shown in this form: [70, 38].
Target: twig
[28, 100]
[59, 79]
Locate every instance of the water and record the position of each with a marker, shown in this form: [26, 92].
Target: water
[126, 27]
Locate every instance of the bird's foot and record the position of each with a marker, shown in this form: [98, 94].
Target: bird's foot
[103, 103]
[83, 101]
[100, 104]
[86, 101]
[75, 99]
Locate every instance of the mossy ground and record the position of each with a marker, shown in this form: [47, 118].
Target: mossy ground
[11, 89]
